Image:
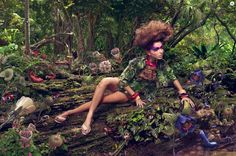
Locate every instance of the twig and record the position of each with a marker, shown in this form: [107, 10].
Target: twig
[173, 149]
[118, 150]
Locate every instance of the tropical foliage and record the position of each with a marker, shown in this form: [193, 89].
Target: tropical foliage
[204, 39]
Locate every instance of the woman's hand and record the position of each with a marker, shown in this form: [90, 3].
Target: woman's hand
[139, 102]
[189, 101]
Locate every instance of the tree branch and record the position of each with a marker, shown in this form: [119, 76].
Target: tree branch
[188, 31]
[233, 49]
[47, 40]
[175, 18]
[226, 27]
[217, 34]
[181, 30]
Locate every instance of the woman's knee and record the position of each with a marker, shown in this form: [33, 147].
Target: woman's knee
[108, 81]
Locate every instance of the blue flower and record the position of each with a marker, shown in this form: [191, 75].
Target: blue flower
[185, 124]
[197, 77]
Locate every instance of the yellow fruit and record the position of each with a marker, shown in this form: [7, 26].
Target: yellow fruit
[228, 112]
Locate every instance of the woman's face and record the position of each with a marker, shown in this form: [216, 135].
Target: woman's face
[156, 51]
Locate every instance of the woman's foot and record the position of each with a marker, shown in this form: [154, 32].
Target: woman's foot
[85, 129]
[61, 118]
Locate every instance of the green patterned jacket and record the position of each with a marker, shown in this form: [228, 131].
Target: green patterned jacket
[148, 88]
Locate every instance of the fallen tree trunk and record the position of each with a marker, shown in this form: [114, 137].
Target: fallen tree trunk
[72, 93]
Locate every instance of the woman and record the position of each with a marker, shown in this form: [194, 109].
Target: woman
[141, 78]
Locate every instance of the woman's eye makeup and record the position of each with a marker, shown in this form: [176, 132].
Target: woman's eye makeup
[156, 48]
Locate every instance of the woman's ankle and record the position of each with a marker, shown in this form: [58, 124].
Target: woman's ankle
[65, 114]
[87, 122]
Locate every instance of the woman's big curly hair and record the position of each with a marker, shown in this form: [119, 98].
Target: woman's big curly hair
[151, 32]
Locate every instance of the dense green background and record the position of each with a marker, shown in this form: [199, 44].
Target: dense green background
[205, 32]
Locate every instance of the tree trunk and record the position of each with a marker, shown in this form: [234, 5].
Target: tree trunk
[91, 23]
[63, 24]
[110, 41]
[27, 28]
[56, 30]
[120, 23]
[70, 44]
[80, 40]
[136, 24]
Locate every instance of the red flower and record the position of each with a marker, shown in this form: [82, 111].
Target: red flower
[44, 56]
[35, 53]
[51, 76]
[35, 78]
[8, 97]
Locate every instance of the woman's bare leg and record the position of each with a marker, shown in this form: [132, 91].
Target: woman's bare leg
[108, 83]
[98, 95]
[79, 109]
[116, 97]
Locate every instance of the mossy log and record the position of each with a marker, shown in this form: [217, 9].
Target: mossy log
[55, 85]
[73, 93]
[73, 97]
[96, 141]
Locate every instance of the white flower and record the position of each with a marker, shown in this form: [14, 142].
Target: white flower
[231, 3]
[27, 105]
[96, 54]
[7, 74]
[4, 60]
[105, 66]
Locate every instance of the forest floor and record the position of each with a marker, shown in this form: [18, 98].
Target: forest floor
[99, 142]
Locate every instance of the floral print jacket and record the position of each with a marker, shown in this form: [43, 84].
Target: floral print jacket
[130, 76]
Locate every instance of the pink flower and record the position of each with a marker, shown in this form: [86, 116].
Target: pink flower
[32, 127]
[25, 137]
[115, 52]
[16, 124]
[93, 67]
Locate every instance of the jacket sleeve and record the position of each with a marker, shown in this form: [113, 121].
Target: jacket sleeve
[129, 73]
[170, 73]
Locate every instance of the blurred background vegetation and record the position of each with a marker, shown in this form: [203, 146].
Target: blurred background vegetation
[204, 38]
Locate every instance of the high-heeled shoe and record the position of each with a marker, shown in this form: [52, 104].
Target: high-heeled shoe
[59, 119]
[85, 129]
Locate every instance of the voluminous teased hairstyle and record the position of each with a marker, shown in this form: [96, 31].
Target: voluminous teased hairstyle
[151, 32]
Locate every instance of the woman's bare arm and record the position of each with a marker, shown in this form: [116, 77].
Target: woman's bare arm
[179, 87]
[138, 100]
